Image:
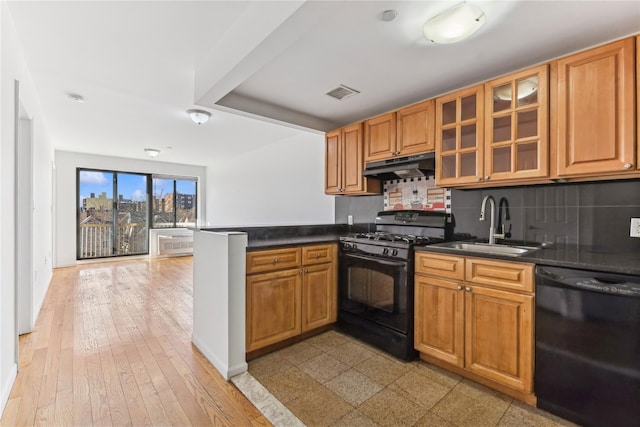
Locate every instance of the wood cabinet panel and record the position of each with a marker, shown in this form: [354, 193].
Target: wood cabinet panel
[499, 336]
[516, 143]
[415, 129]
[273, 307]
[333, 162]
[508, 275]
[318, 254]
[276, 259]
[380, 137]
[344, 163]
[439, 319]
[283, 303]
[594, 125]
[319, 306]
[447, 266]
[482, 330]
[460, 137]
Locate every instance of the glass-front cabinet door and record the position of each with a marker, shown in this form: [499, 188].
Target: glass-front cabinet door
[459, 137]
[516, 139]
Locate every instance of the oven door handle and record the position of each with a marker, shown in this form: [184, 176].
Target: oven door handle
[394, 263]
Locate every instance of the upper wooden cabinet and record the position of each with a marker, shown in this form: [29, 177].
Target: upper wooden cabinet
[403, 133]
[517, 126]
[344, 162]
[460, 137]
[415, 129]
[380, 137]
[593, 120]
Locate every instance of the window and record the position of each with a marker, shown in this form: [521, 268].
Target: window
[174, 202]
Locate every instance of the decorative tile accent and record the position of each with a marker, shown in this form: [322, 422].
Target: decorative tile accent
[416, 193]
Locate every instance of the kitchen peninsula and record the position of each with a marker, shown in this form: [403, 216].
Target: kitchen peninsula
[219, 284]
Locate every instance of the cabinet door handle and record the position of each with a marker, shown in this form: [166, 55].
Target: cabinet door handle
[459, 287]
[468, 289]
[627, 165]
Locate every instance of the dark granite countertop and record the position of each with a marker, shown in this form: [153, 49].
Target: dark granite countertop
[259, 238]
[560, 255]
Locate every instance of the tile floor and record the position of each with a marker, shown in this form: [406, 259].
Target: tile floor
[334, 380]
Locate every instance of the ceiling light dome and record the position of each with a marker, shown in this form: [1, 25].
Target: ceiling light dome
[455, 24]
[152, 152]
[199, 116]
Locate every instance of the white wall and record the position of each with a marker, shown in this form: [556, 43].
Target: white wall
[13, 67]
[279, 184]
[66, 203]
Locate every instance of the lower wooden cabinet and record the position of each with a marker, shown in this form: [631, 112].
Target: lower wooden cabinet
[480, 326]
[283, 302]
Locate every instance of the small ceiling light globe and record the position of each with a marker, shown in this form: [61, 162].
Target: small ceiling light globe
[199, 116]
[152, 152]
[455, 24]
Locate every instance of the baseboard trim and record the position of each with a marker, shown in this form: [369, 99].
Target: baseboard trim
[7, 386]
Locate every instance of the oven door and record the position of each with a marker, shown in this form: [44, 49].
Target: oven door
[376, 289]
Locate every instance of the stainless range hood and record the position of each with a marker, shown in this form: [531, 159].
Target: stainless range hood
[402, 167]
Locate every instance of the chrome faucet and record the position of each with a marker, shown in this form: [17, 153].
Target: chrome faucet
[493, 235]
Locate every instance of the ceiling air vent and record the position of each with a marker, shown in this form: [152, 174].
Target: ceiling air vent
[342, 92]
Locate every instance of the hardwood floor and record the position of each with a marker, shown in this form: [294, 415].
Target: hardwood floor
[112, 346]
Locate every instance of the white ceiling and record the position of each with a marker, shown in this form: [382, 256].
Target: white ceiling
[141, 64]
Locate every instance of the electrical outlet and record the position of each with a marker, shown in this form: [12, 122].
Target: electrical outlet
[350, 220]
[634, 230]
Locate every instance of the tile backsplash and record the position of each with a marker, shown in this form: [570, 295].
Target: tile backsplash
[596, 214]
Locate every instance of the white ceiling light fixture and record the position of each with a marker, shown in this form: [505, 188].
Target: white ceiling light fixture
[455, 24]
[152, 152]
[199, 116]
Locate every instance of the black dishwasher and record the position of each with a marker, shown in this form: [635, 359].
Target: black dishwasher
[588, 346]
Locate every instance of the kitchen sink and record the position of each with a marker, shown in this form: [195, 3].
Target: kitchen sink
[486, 248]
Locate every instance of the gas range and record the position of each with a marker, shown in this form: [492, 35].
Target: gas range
[397, 232]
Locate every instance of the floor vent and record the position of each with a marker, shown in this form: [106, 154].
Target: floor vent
[342, 92]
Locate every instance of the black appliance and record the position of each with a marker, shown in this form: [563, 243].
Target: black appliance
[588, 346]
[402, 167]
[375, 288]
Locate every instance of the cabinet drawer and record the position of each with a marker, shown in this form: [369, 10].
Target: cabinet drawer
[451, 267]
[502, 274]
[276, 259]
[318, 254]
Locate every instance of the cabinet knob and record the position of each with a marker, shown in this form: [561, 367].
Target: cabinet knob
[318, 255]
[627, 165]
[487, 177]
[468, 289]
[276, 260]
[305, 270]
[479, 178]
[300, 272]
[459, 287]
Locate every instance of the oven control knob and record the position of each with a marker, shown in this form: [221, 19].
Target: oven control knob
[394, 252]
[385, 251]
[347, 245]
[354, 246]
